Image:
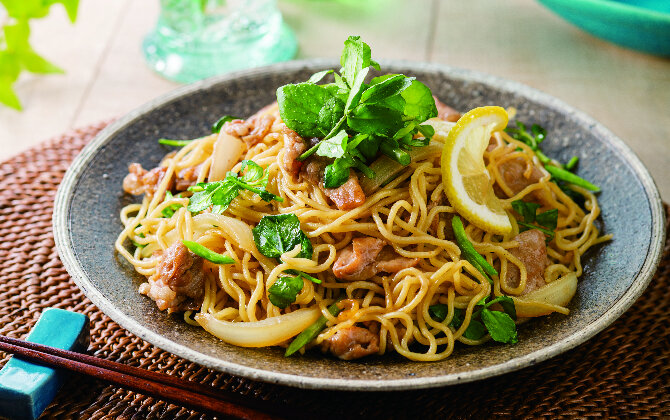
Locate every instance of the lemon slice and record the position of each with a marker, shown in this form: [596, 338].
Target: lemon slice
[467, 183]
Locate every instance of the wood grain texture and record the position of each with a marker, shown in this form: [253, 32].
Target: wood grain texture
[629, 92]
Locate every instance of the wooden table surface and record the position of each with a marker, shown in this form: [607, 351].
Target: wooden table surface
[629, 92]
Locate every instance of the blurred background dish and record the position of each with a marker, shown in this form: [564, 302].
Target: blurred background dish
[643, 25]
[197, 39]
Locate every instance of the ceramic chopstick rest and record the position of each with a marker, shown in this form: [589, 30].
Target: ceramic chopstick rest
[26, 389]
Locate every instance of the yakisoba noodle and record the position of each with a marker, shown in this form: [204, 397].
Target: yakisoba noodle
[404, 213]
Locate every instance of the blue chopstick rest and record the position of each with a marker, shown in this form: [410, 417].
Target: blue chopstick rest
[26, 389]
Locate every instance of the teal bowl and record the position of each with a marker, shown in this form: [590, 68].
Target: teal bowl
[643, 25]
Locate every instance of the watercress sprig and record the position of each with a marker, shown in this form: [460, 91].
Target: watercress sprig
[220, 194]
[275, 235]
[545, 222]
[355, 120]
[499, 325]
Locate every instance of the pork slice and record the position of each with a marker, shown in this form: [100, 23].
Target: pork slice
[352, 343]
[140, 181]
[187, 177]
[237, 128]
[532, 252]
[389, 261]
[445, 112]
[347, 196]
[294, 146]
[260, 127]
[513, 172]
[357, 261]
[368, 256]
[179, 281]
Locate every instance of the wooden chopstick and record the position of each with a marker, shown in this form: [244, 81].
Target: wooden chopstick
[175, 390]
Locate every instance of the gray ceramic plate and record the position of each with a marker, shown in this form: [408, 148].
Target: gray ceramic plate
[86, 224]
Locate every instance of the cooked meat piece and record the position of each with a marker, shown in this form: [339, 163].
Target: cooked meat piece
[390, 262]
[294, 146]
[532, 252]
[252, 130]
[261, 127]
[237, 128]
[347, 196]
[445, 112]
[140, 181]
[513, 170]
[367, 257]
[179, 281]
[352, 343]
[356, 262]
[187, 177]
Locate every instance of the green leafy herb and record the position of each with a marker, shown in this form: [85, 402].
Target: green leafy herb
[207, 253]
[438, 311]
[469, 252]
[532, 139]
[316, 77]
[545, 222]
[216, 127]
[356, 120]
[170, 210]
[284, 291]
[500, 325]
[310, 333]
[303, 275]
[475, 330]
[220, 194]
[277, 234]
[16, 53]
[334, 147]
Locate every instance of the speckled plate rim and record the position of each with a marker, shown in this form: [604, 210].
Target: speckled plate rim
[65, 249]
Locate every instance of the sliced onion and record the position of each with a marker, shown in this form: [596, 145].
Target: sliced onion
[558, 293]
[226, 153]
[235, 229]
[268, 332]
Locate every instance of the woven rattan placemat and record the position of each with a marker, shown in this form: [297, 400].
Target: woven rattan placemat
[623, 372]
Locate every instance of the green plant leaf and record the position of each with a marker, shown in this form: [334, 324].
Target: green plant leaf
[7, 95]
[419, 101]
[284, 291]
[500, 325]
[9, 72]
[277, 234]
[299, 107]
[70, 6]
[16, 36]
[334, 147]
[356, 56]
[35, 63]
[26, 9]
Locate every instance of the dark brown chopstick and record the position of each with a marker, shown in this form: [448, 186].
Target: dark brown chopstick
[159, 385]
